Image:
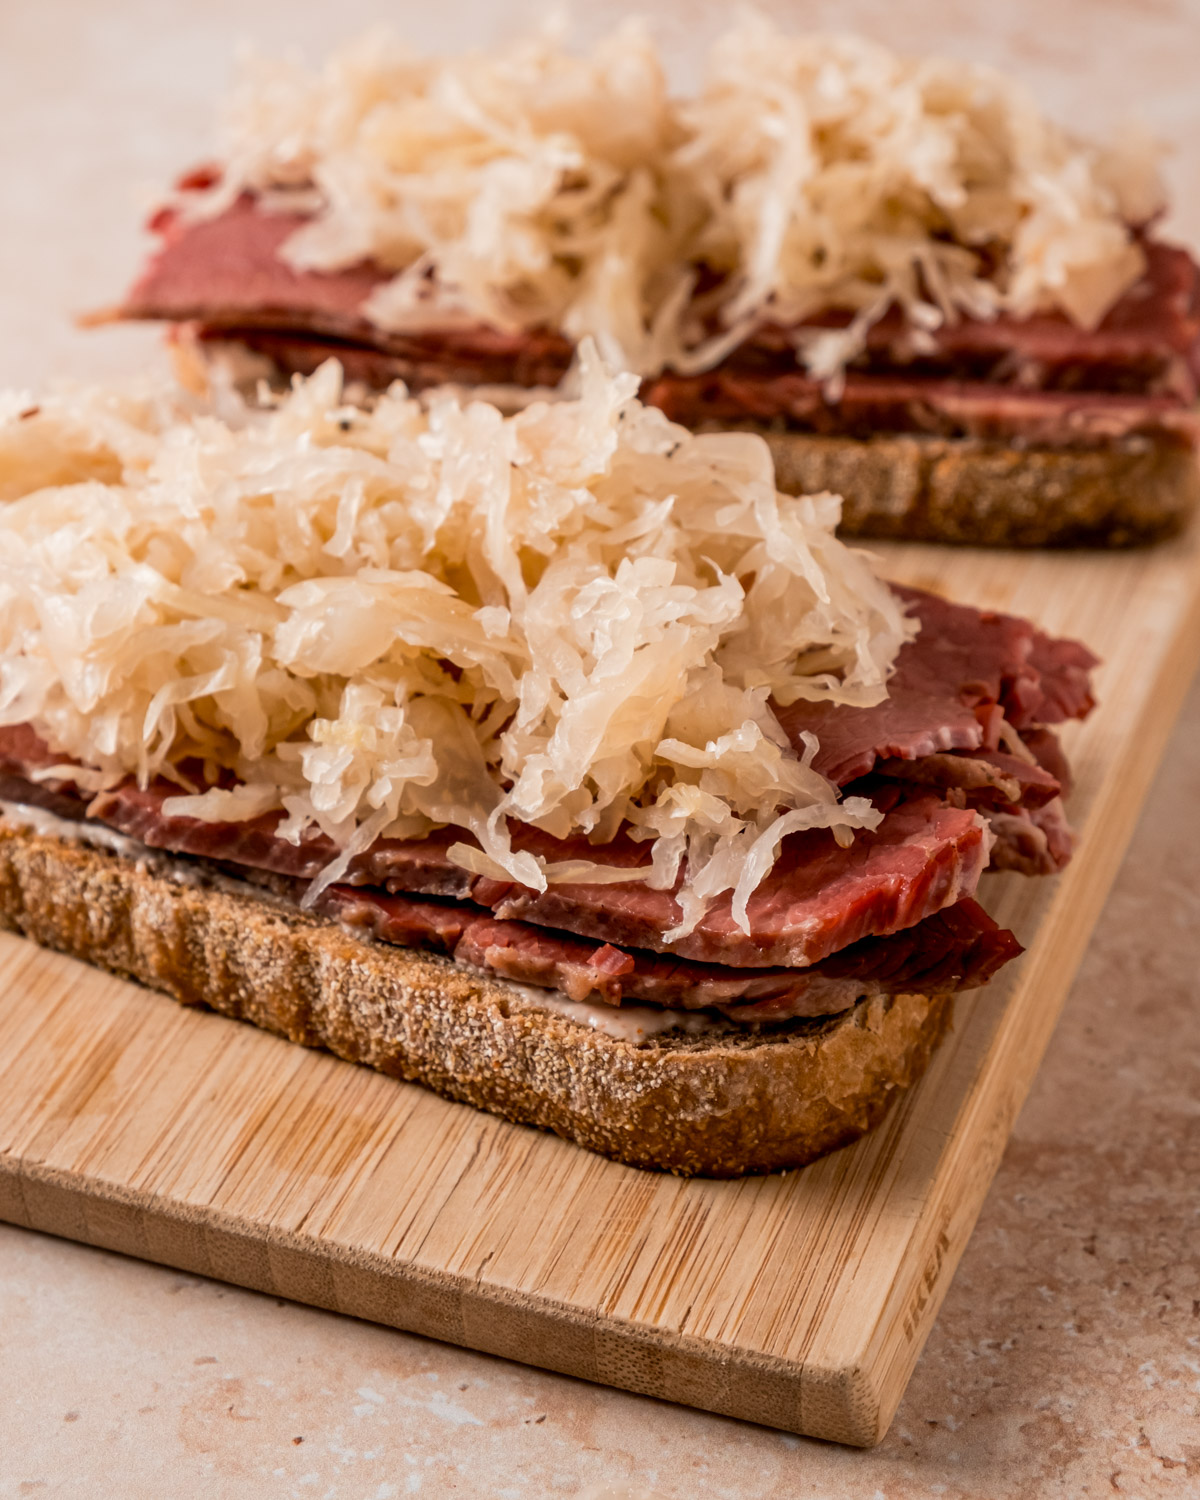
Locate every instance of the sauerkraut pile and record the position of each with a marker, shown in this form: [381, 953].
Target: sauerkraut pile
[383, 620]
[534, 189]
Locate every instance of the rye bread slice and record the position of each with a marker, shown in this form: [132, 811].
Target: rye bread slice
[716, 1103]
[910, 487]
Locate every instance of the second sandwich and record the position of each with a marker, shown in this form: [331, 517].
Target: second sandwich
[924, 294]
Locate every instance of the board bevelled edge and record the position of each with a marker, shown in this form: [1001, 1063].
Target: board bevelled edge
[203, 1241]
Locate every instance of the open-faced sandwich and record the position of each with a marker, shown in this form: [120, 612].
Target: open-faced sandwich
[553, 760]
[924, 294]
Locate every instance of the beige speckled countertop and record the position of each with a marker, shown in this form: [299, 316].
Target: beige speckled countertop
[1066, 1361]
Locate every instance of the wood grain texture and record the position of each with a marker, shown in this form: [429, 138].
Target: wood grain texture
[800, 1300]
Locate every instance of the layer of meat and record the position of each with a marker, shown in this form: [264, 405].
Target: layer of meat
[930, 756]
[1032, 841]
[818, 899]
[1146, 344]
[967, 675]
[1041, 380]
[966, 714]
[914, 403]
[956, 949]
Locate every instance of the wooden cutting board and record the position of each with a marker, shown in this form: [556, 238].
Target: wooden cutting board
[800, 1300]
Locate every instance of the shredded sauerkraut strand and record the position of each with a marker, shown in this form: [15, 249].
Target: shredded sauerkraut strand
[387, 619]
[531, 188]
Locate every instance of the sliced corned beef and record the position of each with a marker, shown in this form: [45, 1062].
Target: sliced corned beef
[901, 401]
[228, 268]
[958, 948]
[1043, 745]
[818, 898]
[954, 949]
[1152, 330]
[1042, 380]
[868, 404]
[226, 273]
[966, 670]
[984, 778]
[1064, 669]
[1035, 841]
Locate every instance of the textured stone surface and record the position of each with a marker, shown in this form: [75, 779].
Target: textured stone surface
[1066, 1361]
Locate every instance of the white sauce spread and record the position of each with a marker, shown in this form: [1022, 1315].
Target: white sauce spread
[624, 1023]
[158, 861]
[50, 825]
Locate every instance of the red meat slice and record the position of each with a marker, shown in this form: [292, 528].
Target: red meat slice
[958, 948]
[1155, 324]
[869, 404]
[226, 273]
[819, 897]
[964, 663]
[1032, 842]
[229, 266]
[954, 949]
[966, 671]
[1136, 373]
[985, 778]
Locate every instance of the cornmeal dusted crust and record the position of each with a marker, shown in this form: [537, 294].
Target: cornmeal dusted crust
[715, 1104]
[930, 489]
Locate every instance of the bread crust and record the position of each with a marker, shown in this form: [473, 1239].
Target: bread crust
[716, 1104]
[911, 487]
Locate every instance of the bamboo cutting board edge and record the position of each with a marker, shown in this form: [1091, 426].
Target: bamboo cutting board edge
[553, 1335]
[849, 1379]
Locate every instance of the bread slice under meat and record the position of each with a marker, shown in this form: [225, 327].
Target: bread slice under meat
[912, 487]
[717, 1103]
